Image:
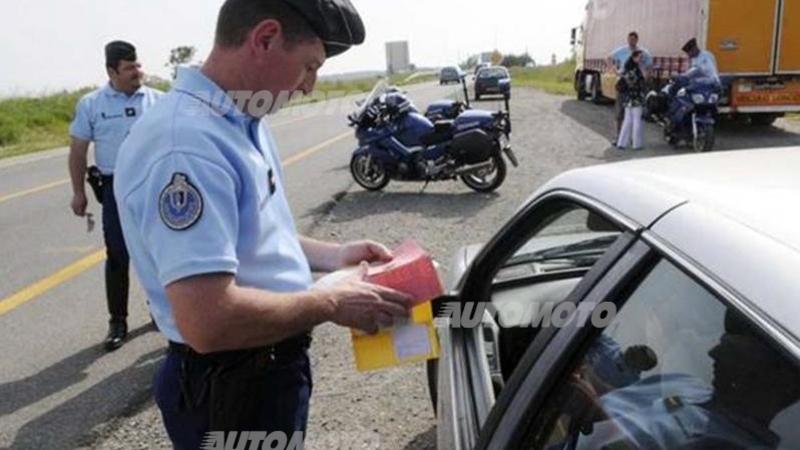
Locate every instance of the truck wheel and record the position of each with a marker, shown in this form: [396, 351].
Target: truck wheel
[596, 93]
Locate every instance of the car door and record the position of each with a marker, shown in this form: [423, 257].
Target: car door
[551, 249]
[684, 364]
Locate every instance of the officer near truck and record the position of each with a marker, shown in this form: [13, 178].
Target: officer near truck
[701, 61]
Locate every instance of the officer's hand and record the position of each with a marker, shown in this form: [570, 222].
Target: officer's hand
[79, 203]
[353, 253]
[366, 306]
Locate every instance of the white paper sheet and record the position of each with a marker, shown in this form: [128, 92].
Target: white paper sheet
[411, 341]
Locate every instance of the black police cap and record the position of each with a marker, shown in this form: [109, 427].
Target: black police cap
[117, 51]
[690, 45]
[335, 22]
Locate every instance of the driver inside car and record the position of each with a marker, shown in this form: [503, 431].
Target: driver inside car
[751, 384]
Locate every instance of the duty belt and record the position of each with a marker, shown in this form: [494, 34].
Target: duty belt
[285, 349]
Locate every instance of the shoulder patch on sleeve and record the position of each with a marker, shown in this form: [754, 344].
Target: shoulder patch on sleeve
[180, 204]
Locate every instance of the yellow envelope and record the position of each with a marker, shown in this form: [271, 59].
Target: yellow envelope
[413, 341]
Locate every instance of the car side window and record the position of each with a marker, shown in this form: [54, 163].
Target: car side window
[675, 369]
[562, 244]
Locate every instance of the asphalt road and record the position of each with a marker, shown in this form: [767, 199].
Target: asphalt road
[59, 388]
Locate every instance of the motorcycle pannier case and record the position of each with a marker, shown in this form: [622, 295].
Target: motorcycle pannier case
[472, 147]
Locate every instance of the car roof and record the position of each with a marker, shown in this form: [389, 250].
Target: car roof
[736, 214]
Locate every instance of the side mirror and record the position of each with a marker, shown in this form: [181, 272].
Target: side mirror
[573, 36]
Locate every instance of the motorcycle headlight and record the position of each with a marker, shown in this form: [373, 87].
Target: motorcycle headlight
[713, 98]
[682, 92]
[698, 98]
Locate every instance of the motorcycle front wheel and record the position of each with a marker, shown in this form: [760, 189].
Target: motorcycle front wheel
[489, 178]
[704, 140]
[369, 173]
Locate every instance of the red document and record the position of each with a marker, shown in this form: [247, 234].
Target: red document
[411, 271]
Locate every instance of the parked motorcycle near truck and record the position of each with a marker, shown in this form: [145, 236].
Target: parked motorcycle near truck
[395, 142]
[686, 108]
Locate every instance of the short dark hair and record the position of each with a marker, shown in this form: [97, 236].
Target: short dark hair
[118, 51]
[237, 17]
[634, 34]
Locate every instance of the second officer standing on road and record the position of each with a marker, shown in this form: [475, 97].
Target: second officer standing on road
[104, 117]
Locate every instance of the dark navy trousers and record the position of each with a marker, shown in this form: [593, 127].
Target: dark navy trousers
[192, 391]
[117, 259]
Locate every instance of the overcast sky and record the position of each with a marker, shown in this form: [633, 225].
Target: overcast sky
[49, 45]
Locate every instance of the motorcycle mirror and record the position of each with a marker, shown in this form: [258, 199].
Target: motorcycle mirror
[466, 93]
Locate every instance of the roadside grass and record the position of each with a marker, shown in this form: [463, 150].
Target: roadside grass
[793, 116]
[29, 125]
[33, 124]
[555, 80]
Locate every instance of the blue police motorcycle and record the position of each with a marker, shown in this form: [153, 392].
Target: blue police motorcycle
[686, 107]
[397, 142]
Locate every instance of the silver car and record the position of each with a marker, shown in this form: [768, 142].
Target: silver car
[649, 304]
[451, 74]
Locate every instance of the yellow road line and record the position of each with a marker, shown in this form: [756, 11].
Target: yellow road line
[78, 267]
[33, 190]
[44, 285]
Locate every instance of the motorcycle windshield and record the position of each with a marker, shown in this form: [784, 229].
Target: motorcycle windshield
[379, 89]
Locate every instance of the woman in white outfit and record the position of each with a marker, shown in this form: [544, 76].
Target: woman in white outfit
[632, 87]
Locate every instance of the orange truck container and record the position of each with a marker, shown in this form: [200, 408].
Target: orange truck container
[756, 44]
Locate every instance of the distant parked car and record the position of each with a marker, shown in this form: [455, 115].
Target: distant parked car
[488, 80]
[451, 74]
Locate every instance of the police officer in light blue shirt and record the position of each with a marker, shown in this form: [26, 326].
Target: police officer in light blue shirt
[104, 117]
[702, 61]
[212, 238]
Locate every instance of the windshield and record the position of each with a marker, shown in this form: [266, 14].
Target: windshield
[377, 90]
[493, 72]
[577, 248]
